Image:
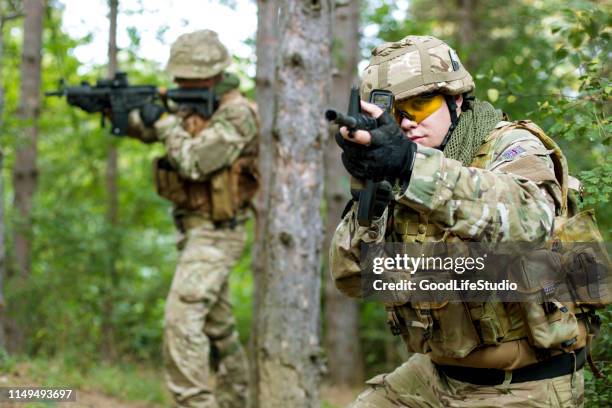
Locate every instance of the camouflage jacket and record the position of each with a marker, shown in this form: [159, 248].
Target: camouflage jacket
[514, 197]
[217, 145]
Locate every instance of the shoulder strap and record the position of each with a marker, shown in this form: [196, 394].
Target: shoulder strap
[559, 161]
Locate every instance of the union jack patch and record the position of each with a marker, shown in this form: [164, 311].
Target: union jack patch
[512, 153]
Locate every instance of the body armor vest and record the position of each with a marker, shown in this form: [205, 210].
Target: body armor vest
[451, 331]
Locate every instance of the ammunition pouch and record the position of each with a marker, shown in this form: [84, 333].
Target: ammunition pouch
[443, 329]
[550, 323]
[185, 194]
[228, 190]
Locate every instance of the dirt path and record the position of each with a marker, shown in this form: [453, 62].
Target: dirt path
[339, 396]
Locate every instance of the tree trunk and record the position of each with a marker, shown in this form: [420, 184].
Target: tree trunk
[341, 312]
[6, 325]
[2, 230]
[112, 216]
[25, 170]
[2, 226]
[467, 26]
[266, 41]
[287, 350]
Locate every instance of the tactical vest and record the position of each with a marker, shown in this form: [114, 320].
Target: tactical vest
[448, 330]
[225, 193]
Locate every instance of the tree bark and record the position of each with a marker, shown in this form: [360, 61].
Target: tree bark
[2, 226]
[25, 171]
[287, 349]
[341, 313]
[112, 216]
[6, 13]
[266, 43]
[467, 27]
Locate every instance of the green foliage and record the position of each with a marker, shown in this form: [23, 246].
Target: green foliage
[7, 362]
[241, 288]
[598, 392]
[581, 114]
[63, 301]
[383, 351]
[125, 381]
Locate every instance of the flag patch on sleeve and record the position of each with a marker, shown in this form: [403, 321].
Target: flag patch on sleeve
[512, 153]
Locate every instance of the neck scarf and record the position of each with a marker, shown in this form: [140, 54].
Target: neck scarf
[473, 127]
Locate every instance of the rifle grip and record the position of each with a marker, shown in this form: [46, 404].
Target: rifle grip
[366, 203]
[119, 123]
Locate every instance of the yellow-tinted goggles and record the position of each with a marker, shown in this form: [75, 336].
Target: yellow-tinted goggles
[417, 108]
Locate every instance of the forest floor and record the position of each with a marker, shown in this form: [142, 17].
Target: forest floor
[93, 393]
[110, 387]
[87, 396]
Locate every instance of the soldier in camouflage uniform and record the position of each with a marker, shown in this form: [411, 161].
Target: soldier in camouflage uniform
[464, 174]
[209, 173]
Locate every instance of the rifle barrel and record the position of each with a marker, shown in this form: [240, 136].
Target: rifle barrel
[340, 119]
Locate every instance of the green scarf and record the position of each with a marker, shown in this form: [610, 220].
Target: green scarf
[473, 127]
[230, 81]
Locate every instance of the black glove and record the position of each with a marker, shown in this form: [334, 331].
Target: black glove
[150, 113]
[390, 155]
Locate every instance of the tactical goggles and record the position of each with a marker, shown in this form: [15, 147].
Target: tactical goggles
[417, 108]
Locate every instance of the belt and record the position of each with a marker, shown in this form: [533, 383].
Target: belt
[556, 366]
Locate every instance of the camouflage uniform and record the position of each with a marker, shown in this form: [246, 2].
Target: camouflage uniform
[509, 192]
[205, 175]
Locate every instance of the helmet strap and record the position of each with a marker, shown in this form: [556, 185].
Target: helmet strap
[452, 109]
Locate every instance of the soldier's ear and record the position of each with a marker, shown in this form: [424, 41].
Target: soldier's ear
[459, 101]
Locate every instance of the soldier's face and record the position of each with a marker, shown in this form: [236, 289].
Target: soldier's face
[431, 131]
[197, 82]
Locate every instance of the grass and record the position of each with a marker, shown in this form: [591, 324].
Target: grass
[124, 381]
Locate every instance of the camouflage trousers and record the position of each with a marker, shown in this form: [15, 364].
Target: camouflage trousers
[417, 383]
[199, 327]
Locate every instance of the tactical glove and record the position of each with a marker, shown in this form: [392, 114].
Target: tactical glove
[150, 113]
[390, 154]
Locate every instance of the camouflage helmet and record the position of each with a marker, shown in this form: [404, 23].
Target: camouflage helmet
[415, 65]
[198, 55]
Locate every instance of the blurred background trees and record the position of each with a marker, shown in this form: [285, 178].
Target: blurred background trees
[547, 60]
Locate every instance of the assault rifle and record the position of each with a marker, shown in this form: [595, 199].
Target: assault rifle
[367, 195]
[117, 97]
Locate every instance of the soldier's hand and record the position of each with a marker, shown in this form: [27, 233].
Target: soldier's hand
[194, 124]
[362, 136]
[390, 154]
[150, 113]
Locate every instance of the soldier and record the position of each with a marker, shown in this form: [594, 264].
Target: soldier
[464, 174]
[209, 173]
